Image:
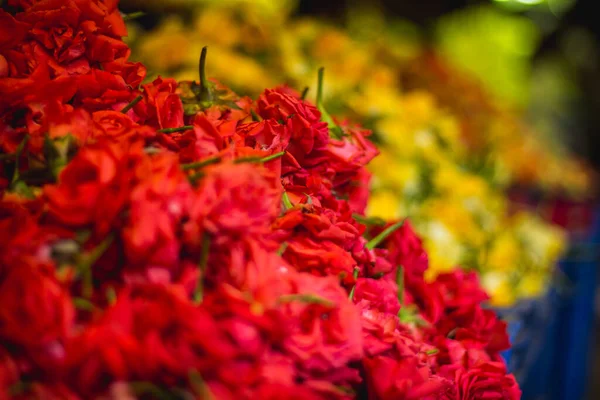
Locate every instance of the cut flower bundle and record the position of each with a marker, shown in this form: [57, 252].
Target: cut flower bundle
[175, 240]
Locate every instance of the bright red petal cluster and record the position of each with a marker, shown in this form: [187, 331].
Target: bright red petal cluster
[149, 250]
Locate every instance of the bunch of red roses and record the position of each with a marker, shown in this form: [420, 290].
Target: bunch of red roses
[177, 241]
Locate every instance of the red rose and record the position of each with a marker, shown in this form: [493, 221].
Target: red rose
[132, 73]
[240, 200]
[158, 206]
[101, 90]
[9, 374]
[94, 187]
[403, 378]
[102, 48]
[117, 125]
[326, 333]
[486, 381]
[21, 233]
[36, 310]
[152, 333]
[204, 141]
[381, 294]
[302, 119]
[164, 107]
[405, 248]
[266, 135]
[12, 31]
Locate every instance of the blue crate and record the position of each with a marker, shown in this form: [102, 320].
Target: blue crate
[552, 335]
[532, 326]
[576, 316]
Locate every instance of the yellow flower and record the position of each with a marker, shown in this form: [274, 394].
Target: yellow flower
[383, 204]
[531, 285]
[442, 247]
[499, 288]
[504, 254]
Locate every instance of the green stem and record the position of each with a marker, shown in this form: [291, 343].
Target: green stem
[304, 93]
[200, 387]
[83, 304]
[320, 87]
[87, 261]
[355, 275]
[205, 95]
[282, 248]
[202, 264]
[111, 295]
[132, 104]
[400, 283]
[369, 221]
[133, 15]
[287, 203]
[255, 116]
[272, 157]
[259, 159]
[306, 298]
[200, 164]
[18, 152]
[335, 130]
[383, 235]
[178, 129]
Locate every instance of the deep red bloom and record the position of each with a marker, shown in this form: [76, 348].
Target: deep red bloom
[238, 200]
[94, 187]
[163, 106]
[325, 331]
[403, 378]
[486, 381]
[36, 310]
[158, 206]
[118, 126]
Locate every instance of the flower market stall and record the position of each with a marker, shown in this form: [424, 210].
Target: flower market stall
[171, 239]
[230, 202]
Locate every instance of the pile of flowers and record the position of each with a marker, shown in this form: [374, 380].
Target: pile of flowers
[448, 150]
[175, 240]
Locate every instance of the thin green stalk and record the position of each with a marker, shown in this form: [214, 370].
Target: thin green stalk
[384, 235]
[132, 104]
[178, 129]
